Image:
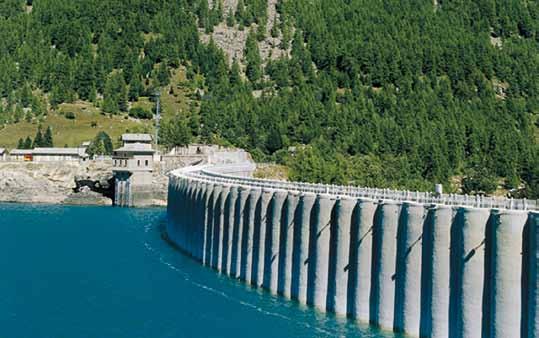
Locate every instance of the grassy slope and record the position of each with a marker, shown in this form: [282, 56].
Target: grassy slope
[74, 132]
[71, 132]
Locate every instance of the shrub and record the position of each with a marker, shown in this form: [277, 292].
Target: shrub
[70, 115]
[140, 113]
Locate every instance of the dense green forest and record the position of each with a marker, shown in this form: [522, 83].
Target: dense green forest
[400, 94]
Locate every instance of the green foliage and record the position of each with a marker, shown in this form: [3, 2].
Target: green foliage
[38, 140]
[175, 132]
[253, 60]
[100, 145]
[478, 181]
[70, 115]
[379, 93]
[47, 138]
[27, 143]
[230, 19]
[140, 113]
[115, 96]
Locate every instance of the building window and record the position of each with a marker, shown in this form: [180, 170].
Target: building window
[146, 162]
[138, 163]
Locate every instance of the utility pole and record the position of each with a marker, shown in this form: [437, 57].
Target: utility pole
[157, 116]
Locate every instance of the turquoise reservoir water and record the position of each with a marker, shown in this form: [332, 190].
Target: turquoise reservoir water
[105, 272]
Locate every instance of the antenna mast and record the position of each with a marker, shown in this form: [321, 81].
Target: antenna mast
[157, 117]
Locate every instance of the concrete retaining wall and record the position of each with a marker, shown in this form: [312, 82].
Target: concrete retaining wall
[427, 270]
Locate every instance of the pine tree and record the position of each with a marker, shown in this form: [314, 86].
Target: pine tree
[110, 100]
[27, 143]
[85, 78]
[275, 28]
[47, 140]
[217, 12]
[252, 58]
[122, 93]
[230, 18]
[38, 140]
[235, 73]
[162, 75]
[20, 144]
[135, 89]
[240, 13]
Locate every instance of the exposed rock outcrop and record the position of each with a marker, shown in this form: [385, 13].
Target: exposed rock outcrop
[56, 182]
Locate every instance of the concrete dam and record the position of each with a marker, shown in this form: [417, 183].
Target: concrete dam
[430, 266]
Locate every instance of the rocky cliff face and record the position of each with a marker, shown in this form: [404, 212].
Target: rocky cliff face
[56, 183]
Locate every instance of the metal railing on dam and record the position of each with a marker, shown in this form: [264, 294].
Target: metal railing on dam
[447, 267]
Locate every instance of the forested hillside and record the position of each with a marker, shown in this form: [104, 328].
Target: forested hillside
[399, 94]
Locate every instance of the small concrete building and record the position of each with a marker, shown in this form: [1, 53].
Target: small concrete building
[134, 158]
[133, 167]
[22, 155]
[59, 154]
[3, 154]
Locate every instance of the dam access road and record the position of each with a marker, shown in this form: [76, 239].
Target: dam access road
[430, 266]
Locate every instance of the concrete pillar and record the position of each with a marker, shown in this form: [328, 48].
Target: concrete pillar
[259, 237]
[189, 217]
[408, 269]
[216, 219]
[228, 229]
[248, 233]
[208, 220]
[172, 207]
[181, 205]
[220, 228]
[339, 255]
[286, 244]
[359, 281]
[237, 235]
[383, 264]
[435, 275]
[467, 272]
[504, 246]
[273, 230]
[300, 252]
[317, 282]
[530, 308]
[199, 212]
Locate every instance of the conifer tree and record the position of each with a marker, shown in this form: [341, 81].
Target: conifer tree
[47, 139]
[27, 143]
[38, 140]
[253, 60]
[230, 18]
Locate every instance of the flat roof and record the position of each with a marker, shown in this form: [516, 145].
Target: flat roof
[57, 151]
[137, 137]
[21, 152]
[2, 150]
[136, 147]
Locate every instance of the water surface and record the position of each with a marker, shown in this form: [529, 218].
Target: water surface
[106, 272]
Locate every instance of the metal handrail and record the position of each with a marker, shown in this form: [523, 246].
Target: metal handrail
[208, 174]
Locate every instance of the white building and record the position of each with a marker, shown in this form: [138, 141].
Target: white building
[21, 155]
[49, 155]
[59, 154]
[133, 167]
[133, 157]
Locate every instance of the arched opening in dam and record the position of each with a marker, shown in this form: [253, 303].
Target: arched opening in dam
[107, 272]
